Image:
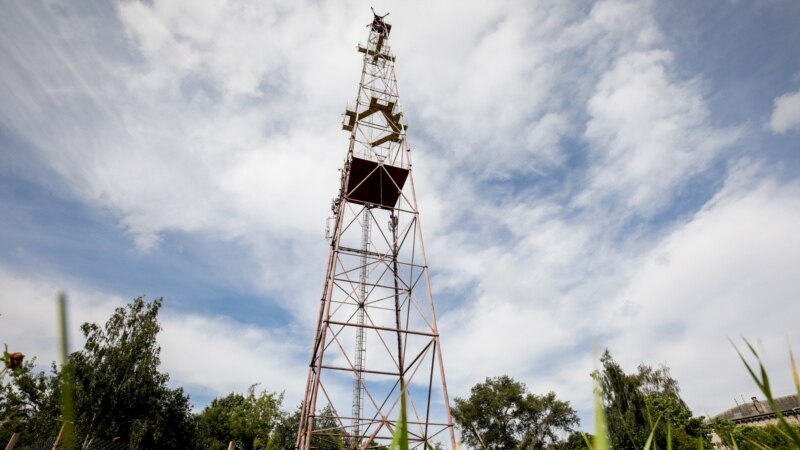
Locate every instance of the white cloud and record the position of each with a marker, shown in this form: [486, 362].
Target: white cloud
[786, 114]
[220, 356]
[165, 139]
[210, 354]
[648, 133]
[29, 314]
[729, 272]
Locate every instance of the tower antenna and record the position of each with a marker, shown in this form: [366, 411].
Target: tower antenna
[377, 286]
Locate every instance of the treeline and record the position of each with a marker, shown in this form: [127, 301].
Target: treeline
[120, 396]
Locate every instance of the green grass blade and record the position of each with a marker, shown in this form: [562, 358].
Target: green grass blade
[735, 445]
[758, 445]
[600, 433]
[586, 440]
[794, 373]
[650, 437]
[764, 385]
[669, 436]
[400, 435]
[747, 365]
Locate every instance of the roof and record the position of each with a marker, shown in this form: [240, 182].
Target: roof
[749, 411]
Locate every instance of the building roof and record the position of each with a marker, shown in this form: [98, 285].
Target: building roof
[758, 408]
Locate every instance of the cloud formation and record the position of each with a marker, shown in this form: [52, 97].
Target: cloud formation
[573, 176]
[786, 115]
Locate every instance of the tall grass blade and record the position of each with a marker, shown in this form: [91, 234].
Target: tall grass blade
[758, 445]
[764, 386]
[67, 408]
[669, 436]
[747, 365]
[586, 440]
[794, 373]
[600, 432]
[650, 437]
[400, 435]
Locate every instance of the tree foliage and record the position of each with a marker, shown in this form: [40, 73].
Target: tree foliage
[120, 392]
[577, 440]
[636, 403]
[334, 439]
[247, 420]
[501, 415]
[284, 435]
[28, 403]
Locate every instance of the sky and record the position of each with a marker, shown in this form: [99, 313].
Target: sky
[612, 174]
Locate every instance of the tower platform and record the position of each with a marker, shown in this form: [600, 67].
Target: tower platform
[375, 183]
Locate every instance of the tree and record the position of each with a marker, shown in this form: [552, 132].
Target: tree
[119, 391]
[334, 437]
[246, 420]
[28, 405]
[284, 435]
[576, 441]
[636, 403]
[501, 415]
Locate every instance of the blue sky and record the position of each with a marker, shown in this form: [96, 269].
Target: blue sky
[624, 170]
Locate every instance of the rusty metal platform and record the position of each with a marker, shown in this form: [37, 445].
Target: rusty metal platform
[373, 183]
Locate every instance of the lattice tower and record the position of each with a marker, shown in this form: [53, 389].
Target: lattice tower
[377, 286]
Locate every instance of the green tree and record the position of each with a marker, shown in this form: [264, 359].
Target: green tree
[247, 420]
[576, 441]
[119, 391]
[331, 435]
[284, 435]
[28, 405]
[635, 403]
[501, 415]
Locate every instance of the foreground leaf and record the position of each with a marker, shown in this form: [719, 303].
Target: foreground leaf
[400, 435]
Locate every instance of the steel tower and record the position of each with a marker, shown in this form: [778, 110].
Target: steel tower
[377, 287]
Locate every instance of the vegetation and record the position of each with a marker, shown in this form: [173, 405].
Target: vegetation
[119, 394]
[753, 437]
[783, 435]
[643, 402]
[789, 433]
[119, 391]
[500, 414]
[28, 402]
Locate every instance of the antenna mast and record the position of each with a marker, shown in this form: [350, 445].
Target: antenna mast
[377, 286]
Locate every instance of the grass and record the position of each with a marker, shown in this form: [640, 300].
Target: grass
[761, 378]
